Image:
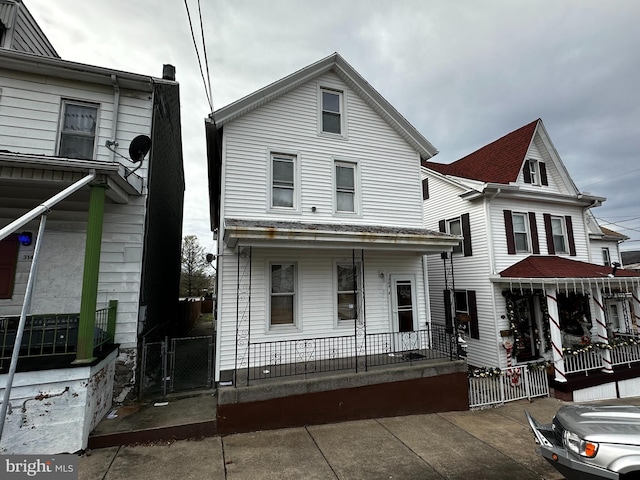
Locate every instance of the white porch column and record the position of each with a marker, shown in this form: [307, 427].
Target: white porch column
[556, 336]
[636, 308]
[601, 329]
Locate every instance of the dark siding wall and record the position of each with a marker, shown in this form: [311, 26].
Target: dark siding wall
[163, 234]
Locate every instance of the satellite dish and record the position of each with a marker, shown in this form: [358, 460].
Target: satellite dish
[139, 148]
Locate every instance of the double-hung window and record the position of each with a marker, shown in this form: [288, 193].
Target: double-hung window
[282, 294]
[559, 235]
[345, 187]
[283, 174]
[348, 283]
[533, 172]
[331, 111]
[78, 130]
[606, 258]
[454, 227]
[520, 232]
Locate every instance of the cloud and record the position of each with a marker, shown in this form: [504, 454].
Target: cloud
[463, 73]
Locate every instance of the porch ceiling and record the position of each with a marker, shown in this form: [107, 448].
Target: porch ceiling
[46, 172]
[323, 235]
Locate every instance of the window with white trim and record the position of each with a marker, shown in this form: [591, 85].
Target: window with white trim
[347, 290]
[454, 227]
[78, 130]
[559, 233]
[332, 111]
[283, 181]
[533, 172]
[521, 231]
[345, 182]
[282, 298]
[606, 257]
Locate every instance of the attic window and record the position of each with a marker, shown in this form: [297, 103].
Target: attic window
[332, 111]
[535, 172]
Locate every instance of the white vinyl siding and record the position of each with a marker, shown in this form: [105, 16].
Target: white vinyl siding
[30, 106]
[317, 294]
[388, 167]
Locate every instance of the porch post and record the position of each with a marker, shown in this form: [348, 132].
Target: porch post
[601, 329]
[90, 276]
[556, 336]
[636, 309]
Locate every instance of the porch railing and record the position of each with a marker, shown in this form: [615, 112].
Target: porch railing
[330, 354]
[625, 350]
[510, 384]
[53, 334]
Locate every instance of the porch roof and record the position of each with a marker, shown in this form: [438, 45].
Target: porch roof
[333, 235]
[542, 269]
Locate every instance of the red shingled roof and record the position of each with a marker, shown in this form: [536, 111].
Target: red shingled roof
[559, 267]
[497, 162]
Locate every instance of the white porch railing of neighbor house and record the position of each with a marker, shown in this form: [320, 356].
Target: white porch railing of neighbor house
[495, 387]
[625, 350]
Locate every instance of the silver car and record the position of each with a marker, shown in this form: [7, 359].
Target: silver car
[592, 441]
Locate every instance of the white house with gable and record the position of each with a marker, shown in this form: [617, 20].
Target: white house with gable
[528, 285]
[316, 201]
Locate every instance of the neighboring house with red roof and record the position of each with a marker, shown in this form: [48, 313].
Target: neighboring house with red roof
[528, 282]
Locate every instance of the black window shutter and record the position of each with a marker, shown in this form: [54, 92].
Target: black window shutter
[8, 258]
[543, 173]
[572, 243]
[466, 235]
[425, 188]
[548, 230]
[533, 228]
[474, 331]
[508, 227]
[448, 319]
[442, 226]
[526, 172]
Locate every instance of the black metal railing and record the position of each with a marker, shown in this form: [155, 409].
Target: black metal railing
[285, 358]
[53, 334]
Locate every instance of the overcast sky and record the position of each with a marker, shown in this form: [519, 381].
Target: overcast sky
[463, 72]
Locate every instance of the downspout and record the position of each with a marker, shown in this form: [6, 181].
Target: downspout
[492, 258]
[116, 108]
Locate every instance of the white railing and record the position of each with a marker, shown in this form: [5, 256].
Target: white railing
[625, 354]
[582, 361]
[514, 383]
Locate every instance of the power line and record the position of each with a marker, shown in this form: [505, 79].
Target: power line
[610, 178]
[195, 46]
[206, 60]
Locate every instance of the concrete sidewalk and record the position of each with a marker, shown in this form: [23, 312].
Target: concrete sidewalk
[487, 444]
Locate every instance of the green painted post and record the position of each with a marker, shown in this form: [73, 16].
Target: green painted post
[111, 322]
[89, 297]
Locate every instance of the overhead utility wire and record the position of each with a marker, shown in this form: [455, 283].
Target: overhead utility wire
[610, 178]
[195, 46]
[206, 60]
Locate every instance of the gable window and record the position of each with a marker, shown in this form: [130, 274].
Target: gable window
[283, 181]
[606, 257]
[425, 188]
[78, 130]
[348, 286]
[8, 258]
[332, 111]
[535, 172]
[345, 199]
[282, 305]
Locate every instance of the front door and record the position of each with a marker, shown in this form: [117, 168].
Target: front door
[404, 314]
[525, 323]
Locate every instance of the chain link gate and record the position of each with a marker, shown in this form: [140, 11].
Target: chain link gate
[177, 364]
